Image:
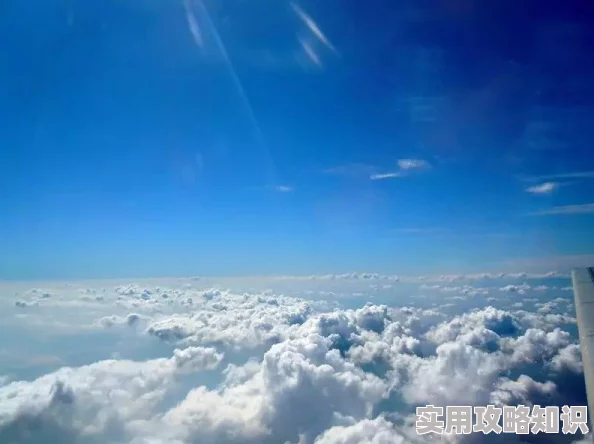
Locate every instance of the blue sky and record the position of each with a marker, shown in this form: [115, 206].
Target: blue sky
[147, 138]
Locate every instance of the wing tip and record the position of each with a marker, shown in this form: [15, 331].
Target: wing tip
[582, 275]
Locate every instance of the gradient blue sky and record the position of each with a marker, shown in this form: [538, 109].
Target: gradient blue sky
[236, 137]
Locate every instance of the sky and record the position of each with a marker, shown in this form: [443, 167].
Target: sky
[224, 138]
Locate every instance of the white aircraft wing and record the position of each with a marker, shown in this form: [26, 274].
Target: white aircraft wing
[583, 291]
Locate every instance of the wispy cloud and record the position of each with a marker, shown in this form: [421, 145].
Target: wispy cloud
[284, 188]
[412, 164]
[382, 176]
[193, 24]
[405, 167]
[310, 52]
[567, 209]
[313, 26]
[543, 188]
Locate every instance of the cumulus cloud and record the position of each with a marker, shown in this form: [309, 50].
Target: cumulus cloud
[131, 320]
[568, 358]
[239, 321]
[524, 390]
[520, 289]
[367, 431]
[295, 370]
[100, 401]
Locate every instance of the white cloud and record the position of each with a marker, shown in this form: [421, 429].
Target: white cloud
[520, 289]
[193, 25]
[460, 289]
[543, 188]
[382, 176]
[130, 320]
[569, 358]
[434, 278]
[367, 431]
[102, 400]
[284, 188]
[296, 370]
[405, 167]
[413, 164]
[312, 25]
[310, 52]
[524, 390]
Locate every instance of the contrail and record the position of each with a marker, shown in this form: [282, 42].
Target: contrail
[209, 24]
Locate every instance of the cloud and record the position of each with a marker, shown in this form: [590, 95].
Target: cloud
[97, 402]
[405, 167]
[520, 289]
[284, 188]
[297, 370]
[382, 176]
[236, 321]
[524, 390]
[544, 188]
[312, 25]
[367, 431]
[567, 209]
[310, 52]
[413, 164]
[433, 278]
[568, 358]
[193, 25]
[131, 320]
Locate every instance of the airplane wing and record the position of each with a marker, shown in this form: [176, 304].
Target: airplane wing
[583, 291]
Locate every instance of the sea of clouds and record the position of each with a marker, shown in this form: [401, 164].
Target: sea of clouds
[318, 359]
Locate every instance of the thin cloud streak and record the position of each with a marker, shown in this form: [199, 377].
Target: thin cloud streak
[567, 209]
[382, 176]
[406, 166]
[193, 25]
[313, 26]
[313, 56]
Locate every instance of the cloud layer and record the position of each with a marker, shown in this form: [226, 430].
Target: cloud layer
[263, 367]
